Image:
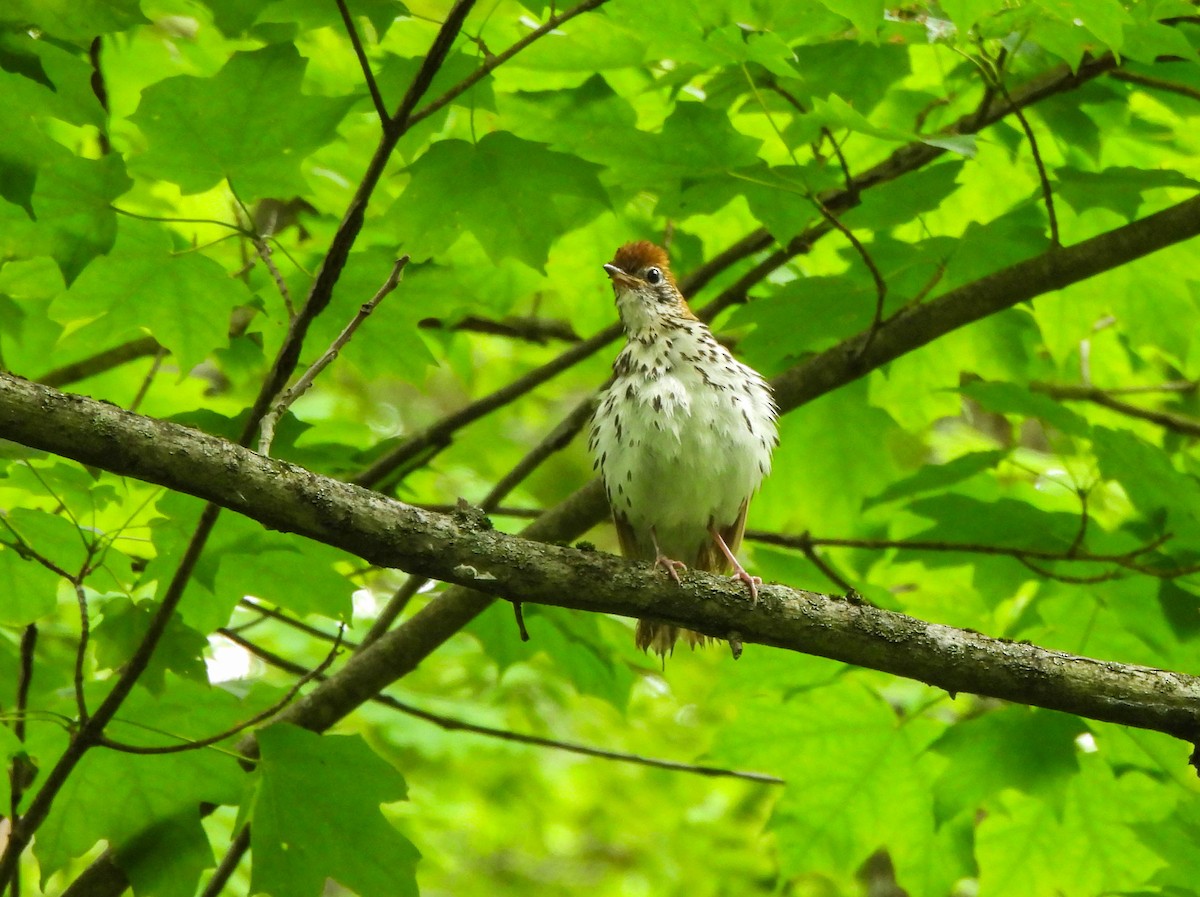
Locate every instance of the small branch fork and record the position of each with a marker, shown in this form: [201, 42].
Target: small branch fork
[301, 386]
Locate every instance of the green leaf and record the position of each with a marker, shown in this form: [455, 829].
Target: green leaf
[1090, 848]
[486, 189]
[124, 798]
[200, 131]
[1147, 475]
[53, 536]
[804, 316]
[58, 204]
[1007, 522]
[193, 296]
[121, 629]
[1031, 750]
[695, 142]
[866, 15]
[79, 20]
[986, 248]
[168, 859]
[823, 66]
[591, 120]
[1118, 188]
[305, 834]
[30, 590]
[855, 783]
[900, 201]
[935, 477]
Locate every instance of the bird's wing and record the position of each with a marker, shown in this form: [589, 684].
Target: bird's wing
[710, 557]
[628, 538]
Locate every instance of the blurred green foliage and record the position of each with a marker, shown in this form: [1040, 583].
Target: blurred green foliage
[176, 169]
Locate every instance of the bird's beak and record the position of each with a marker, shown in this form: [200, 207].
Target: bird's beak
[618, 277]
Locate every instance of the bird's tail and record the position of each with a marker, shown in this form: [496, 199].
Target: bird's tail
[660, 637]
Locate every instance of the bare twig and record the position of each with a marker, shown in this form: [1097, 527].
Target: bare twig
[261, 717]
[808, 547]
[993, 73]
[530, 329]
[81, 707]
[141, 347]
[229, 863]
[1183, 90]
[20, 772]
[806, 542]
[302, 385]
[148, 379]
[321, 291]
[264, 252]
[1177, 423]
[22, 833]
[298, 625]
[363, 62]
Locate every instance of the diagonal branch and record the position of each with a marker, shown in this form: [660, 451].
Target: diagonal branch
[289, 498]
[387, 532]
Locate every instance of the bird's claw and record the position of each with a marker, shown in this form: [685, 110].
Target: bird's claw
[670, 565]
[752, 583]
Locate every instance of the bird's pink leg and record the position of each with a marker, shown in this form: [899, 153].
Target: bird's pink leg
[739, 572]
[661, 560]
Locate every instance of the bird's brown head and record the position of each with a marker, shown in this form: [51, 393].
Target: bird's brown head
[644, 287]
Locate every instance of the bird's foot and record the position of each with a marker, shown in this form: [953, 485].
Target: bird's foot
[752, 583]
[670, 565]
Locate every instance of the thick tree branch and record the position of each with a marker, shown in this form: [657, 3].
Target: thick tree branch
[289, 498]
[384, 531]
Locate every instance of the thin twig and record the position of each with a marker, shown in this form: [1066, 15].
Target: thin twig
[22, 833]
[264, 252]
[1177, 423]
[1041, 571]
[1184, 90]
[817, 561]
[494, 62]
[993, 73]
[334, 261]
[1169, 386]
[172, 220]
[229, 863]
[101, 362]
[298, 625]
[20, 770]
[1084, 518]
[452, 724]
[261, 717]
[363, 62]
[804, 542]
[148, 379]
[302, 385]
[530, 329]
[441, 433]
[81, 707]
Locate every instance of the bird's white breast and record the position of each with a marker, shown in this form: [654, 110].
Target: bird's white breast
[683, 436]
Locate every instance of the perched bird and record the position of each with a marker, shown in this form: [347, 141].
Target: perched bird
[682, 437]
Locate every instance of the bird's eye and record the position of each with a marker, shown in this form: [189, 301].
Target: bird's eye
[653, 276]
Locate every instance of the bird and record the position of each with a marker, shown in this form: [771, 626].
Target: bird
[682, 436]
